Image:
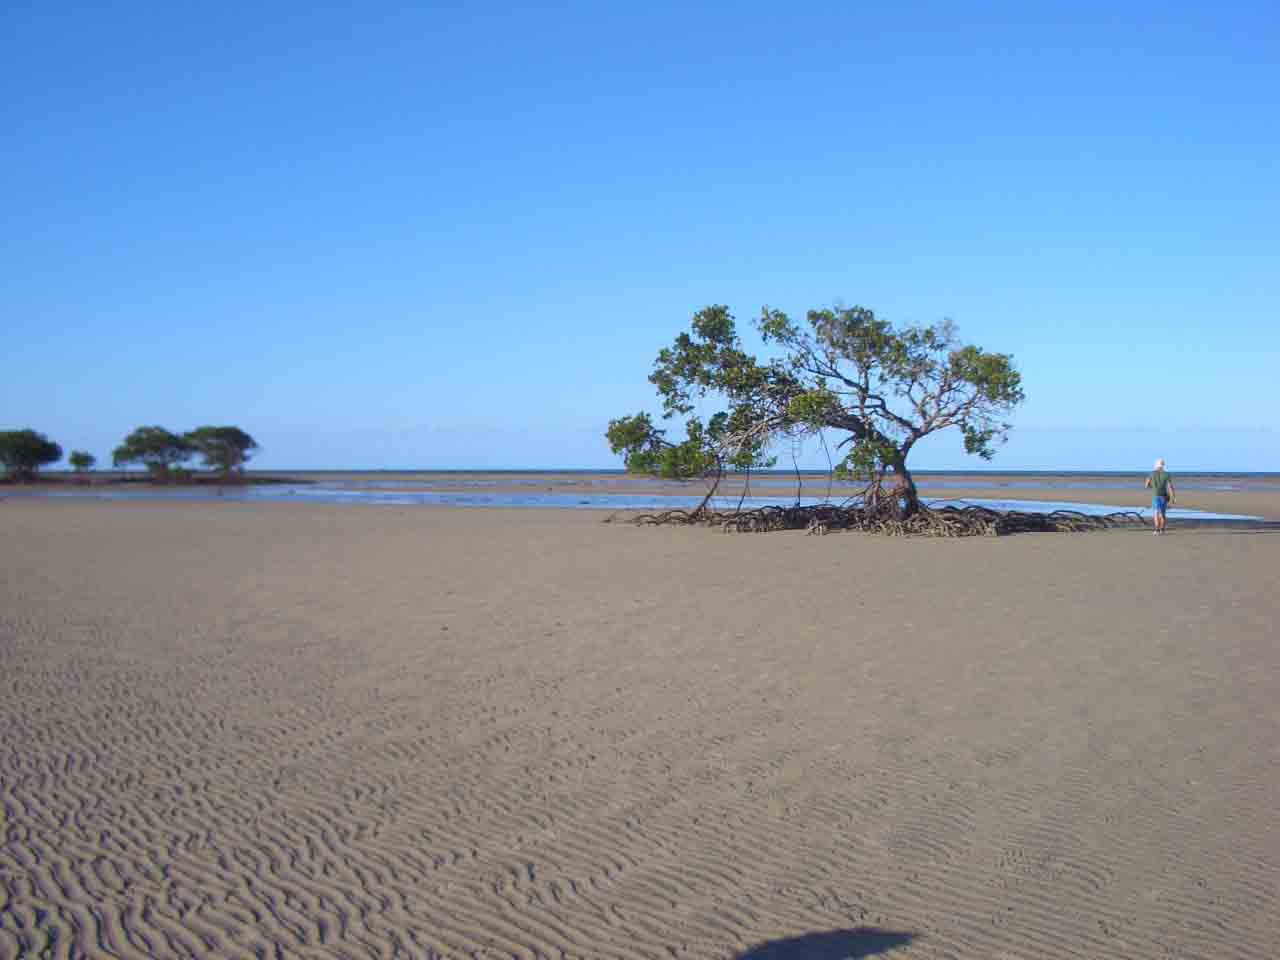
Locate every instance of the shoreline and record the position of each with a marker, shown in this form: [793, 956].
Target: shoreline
[102, 478]
[1262, 501]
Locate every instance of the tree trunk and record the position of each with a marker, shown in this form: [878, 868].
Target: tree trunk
[905, 494]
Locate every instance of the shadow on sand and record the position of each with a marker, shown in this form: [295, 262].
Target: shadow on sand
[833, 945]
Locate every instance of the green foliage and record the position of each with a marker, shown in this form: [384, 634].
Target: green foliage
[813, 408]
[162, 452]
[707, 360]
[81, 461]
[644, 449]
[23, 452]
[634, 438]
[866, 460]
[156, 449]
[846, 370]
[225, 449]
[713, 361]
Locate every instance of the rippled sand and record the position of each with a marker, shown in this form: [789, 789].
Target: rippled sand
[316, 731]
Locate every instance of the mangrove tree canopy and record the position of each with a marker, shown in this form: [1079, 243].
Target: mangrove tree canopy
[225, 449]
[23, 452]
[155, 448]
[878, 389]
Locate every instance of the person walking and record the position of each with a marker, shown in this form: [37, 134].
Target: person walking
[1161, 486]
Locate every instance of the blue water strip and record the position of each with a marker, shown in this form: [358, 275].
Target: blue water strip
[584, 500]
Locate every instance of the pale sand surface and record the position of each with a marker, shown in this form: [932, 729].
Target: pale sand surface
[318, 731]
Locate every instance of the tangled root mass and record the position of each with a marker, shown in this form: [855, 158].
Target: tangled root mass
[944, 521]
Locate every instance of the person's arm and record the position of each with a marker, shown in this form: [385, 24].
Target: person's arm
[1171, 490]
[1148, 483]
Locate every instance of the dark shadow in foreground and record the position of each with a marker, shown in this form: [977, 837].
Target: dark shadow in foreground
[833, 945]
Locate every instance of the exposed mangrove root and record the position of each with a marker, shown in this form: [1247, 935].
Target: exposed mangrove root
[944, 521]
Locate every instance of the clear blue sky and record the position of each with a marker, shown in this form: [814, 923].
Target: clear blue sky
[439, 235]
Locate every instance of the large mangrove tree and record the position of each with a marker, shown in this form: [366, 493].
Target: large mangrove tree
[876, 389]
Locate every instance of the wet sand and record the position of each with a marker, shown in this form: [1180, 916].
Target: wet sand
[1256, 497]
[1253, 496]
[1256, 503]
[320, 731]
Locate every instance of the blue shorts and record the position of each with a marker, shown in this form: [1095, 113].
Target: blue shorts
[1159, 504]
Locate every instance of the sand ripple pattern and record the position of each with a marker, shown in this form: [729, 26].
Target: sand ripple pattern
[273, 732]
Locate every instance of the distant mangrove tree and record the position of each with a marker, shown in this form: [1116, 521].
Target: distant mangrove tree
[24, 452]
[162, 452]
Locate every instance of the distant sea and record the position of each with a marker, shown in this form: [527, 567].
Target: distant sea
[1224, 480]
[602, 471]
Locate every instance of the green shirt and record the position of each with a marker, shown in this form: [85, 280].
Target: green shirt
[1159, 481]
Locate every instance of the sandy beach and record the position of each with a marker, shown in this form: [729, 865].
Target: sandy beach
[278, 730]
